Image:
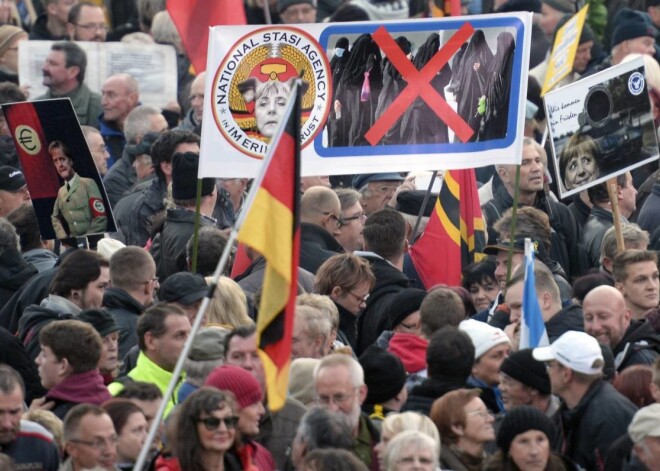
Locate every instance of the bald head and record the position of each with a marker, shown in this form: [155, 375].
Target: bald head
[196, 96]
[606, 316]
[320, 205]
[119, 95]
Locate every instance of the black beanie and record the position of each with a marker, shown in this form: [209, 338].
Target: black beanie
[631, 24]
[184, 177]
[564, 6]
[404, 303]
[284, 4]
[342, 43]
[586, 35]
[520, 420]
[410, 202]
[384, 375]
[522, 367]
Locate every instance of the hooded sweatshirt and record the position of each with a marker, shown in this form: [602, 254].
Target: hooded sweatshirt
[79, 388]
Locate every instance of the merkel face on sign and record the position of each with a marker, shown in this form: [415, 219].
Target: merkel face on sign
[252, 85]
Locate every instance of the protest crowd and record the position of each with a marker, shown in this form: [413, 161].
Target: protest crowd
[390, 369]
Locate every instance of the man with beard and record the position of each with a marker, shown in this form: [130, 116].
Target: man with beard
[339, 387]
[28, 444]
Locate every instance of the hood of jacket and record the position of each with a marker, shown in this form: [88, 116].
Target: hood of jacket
[117, 298]
[569, 318]
[81, 388]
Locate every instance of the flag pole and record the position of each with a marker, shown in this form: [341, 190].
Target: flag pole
[427, 195]
[224, 258]
[198, 206]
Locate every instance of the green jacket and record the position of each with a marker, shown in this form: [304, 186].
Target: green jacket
[79, 210]
[86, 104]
[149, 372]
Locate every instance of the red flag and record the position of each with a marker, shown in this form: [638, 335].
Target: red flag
[271, 227]
[193, 18]
[455, 234]
[29, 138]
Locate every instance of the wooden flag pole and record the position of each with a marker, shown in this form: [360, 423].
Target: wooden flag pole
[613, 190]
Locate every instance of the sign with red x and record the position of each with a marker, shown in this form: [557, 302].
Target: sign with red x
[367, 107]
[419, 85]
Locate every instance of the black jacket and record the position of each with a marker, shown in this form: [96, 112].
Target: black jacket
[640, 345]
[569, 318]
[421, 397]
[580, 210]
[565, 230]
[598, 222]
[133, 213]
[169, 245]
[348, 325]
[14, 273]
[588, 430]
[40, 32]
[13, 354]
[316, 246]
[30, 293]
[372, 321]
[125, 310]
[120, 178]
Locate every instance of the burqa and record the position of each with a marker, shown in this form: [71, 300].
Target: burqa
[420, 124]
[498, 90]
[471, 84]
[358, 108]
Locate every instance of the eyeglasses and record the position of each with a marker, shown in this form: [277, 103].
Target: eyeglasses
[483, 413]
[213, 423]
[361, 299]
[154, 279]
[338, 221]
[359, 216]
[94, 27]
[98, 443]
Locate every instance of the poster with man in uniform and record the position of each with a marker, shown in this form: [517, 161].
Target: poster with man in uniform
[66, 189]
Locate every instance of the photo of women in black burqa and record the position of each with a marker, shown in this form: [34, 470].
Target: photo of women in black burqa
[498, 89]
[393, 83]
[357, 99]
[420, 124]
[337, 66]
[471, 79]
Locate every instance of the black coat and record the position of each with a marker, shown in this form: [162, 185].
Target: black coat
[14, 273]
[569, 318]
[588, 429]
[169, 246]
[421, 397]
[120, 178]
[372, 321]
[598, 222]
[13, 354]
[125, 310]
[134, 212]
[640, 345]
[316, 246]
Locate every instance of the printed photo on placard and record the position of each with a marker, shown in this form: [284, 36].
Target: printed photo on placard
[66, 190]
[601, 127]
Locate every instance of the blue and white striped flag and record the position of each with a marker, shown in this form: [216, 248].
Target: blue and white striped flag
[532, 327]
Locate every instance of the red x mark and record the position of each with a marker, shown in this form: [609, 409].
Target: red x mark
[419, 85]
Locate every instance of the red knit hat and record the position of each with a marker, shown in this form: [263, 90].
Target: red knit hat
[237, 380]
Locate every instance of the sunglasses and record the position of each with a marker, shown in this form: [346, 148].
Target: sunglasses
[213, 423]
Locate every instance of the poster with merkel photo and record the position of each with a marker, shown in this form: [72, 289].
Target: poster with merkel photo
[379, 97]
[66, 189]
[601, 127]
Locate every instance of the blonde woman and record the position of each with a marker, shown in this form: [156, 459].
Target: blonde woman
[228, 308]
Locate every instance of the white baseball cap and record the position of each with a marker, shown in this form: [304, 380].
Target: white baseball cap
[575, 350]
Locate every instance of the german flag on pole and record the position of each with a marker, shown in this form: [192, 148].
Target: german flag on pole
[271, 227]
[455, 234]
[193, 18]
